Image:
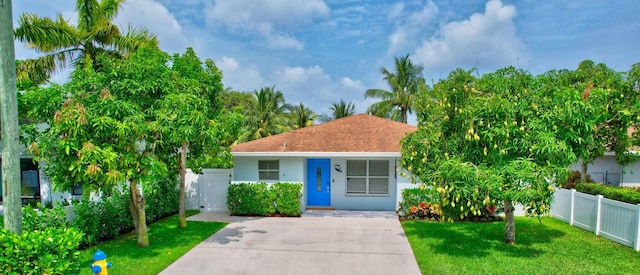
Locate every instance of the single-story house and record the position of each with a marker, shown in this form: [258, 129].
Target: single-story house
[349, 163]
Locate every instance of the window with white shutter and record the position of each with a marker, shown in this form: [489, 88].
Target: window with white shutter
[367, 177]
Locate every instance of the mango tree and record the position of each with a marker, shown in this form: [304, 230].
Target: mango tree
[607, 104]
[101, 135]
[192, 123]
[490, 142]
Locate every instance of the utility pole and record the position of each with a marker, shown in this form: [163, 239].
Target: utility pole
[9, 112]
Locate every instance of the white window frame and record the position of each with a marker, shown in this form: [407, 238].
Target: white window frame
[367, 178]
[269, 170]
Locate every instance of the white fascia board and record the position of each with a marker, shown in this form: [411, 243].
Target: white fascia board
[316, 154]
[612, 153]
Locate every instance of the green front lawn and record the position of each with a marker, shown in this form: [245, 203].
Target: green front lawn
[552, 247]
[167, 244]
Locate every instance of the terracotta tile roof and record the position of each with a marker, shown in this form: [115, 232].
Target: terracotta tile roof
[357, 133]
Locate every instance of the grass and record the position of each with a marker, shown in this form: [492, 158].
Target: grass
[552, 247]
[167, 244]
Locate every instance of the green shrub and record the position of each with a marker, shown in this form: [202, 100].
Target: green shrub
[162, 199]
[49, 251]
[258, 199]
[105, 219]
[248, 199]
[417, 204]
[286, 198]
[42, 218]
[424, 203]
[413, 196]
[609, 192]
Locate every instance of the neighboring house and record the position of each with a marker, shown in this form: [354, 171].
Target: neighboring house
[606, 170]
[35, 185]
[349, 163]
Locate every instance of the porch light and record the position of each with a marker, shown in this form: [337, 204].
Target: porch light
[338, 168]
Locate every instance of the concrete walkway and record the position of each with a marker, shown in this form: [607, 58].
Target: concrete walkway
[319, 242]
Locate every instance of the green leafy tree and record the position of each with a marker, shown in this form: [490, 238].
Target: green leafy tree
[611, 99]
[405, 83]
[62, 43]
[491, 142]
[300, 116]
[192, 123]
[339, 110]
[235, 101]
[265, 116]
[101, 135]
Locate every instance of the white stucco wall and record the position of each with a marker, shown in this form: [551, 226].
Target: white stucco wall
[292, 169]
[606, 167]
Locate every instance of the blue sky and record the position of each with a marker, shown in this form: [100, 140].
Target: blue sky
[320, 51]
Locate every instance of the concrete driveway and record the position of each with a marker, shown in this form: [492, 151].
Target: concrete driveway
[320, 242]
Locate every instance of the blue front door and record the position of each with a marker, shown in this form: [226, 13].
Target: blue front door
[319, 182]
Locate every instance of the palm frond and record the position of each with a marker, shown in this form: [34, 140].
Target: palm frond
[134, 39]
[110, 8]
[104, 33]
[342, 109]
[46, 35]
[38, 70]
[88, 12]
[378, 93]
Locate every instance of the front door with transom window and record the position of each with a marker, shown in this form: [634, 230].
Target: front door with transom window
[319, 182]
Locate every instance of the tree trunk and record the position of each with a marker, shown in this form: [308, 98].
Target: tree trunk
[510, 226]
[404, 116]
[182, 219]
[583, 171]
[9, 112]
[138, 206]
[132, 205]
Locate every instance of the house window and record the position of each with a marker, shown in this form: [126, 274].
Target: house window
[30, 178]
[269, 170]
[367, 177]
[77, 190]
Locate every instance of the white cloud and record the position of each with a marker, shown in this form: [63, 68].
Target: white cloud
[296, 76]
[158, 20]
[281, 41]
[238, 77]
[349, 83]
[267, 18]
[409, 26]
[314, 87]
[488, 40]
[228, 63]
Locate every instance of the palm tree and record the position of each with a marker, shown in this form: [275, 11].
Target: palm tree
[64, 44]
[339, 110]
[300, 116]
[265, 116]
[405, 83]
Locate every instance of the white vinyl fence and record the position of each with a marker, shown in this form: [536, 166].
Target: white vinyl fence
[614, 220]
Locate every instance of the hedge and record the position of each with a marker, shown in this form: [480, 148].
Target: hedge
[258, 199]
[286, 198]
[609, 192]
[49, 251]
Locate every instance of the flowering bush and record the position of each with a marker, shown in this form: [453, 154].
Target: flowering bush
[423, 210]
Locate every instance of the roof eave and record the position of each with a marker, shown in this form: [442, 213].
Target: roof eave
[316, 154]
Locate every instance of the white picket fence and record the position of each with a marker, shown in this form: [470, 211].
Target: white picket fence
[614, 220]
